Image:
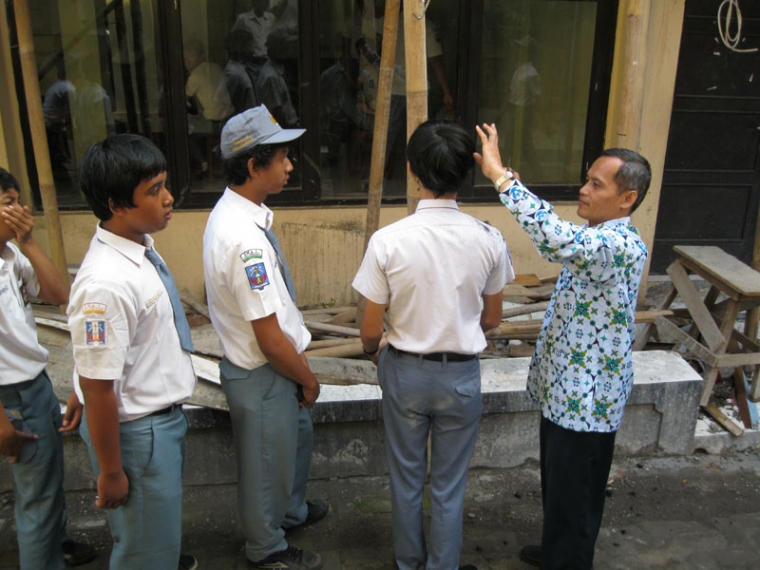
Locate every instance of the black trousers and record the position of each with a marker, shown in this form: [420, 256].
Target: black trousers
[574, 471]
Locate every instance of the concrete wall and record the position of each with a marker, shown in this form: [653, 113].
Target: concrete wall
[660, 419]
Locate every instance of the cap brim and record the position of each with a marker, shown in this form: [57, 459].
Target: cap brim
[285, 135]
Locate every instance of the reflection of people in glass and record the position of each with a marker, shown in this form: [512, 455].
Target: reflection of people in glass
[208, 101]
[524, 92]
[345, 118]
[239, 45]
[93, 113]
[272, 85]
[206, 83]
[259, 21]
[56, 109]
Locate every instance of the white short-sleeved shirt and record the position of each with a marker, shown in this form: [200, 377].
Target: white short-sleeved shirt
[431, 269]
[122, 328]
[244, 280]
[21, 356]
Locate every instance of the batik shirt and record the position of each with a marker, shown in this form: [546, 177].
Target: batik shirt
[582, 370]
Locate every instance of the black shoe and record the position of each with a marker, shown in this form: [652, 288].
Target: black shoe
[77, 553]
[187, 562]
[318, 509]
[531, 554]
[291, 558]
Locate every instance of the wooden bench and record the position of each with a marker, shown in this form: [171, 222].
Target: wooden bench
[713, 339]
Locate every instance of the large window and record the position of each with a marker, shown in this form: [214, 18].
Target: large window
[175, 72]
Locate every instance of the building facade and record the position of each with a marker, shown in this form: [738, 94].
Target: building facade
[562, 79]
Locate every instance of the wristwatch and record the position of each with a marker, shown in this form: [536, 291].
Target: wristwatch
[374, 352]
[508, 175]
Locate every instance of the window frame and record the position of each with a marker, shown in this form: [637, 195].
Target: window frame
[471, 16]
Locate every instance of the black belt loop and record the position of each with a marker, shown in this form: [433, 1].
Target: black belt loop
[434, 356]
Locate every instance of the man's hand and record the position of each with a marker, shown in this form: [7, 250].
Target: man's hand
[375, 357]
[490, 159]
[73, 416]
[20, 220]
[113, 490]
[11, 439]
[307, 397]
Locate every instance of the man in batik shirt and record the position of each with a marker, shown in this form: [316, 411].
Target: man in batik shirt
[582, 369]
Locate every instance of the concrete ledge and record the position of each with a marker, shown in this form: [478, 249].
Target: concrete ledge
[660, 419]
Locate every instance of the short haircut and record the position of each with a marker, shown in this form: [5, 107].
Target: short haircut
[239, 43]
[634, 174]
[440, 154]
[8, 181]
[235, 168]
[112, 169]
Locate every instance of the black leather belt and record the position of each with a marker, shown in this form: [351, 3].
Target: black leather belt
[165, 411]
[435, 356]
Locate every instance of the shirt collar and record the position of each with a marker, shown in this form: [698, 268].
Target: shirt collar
[625, 220]
[262, 215]
[431, 203]
[133, 251]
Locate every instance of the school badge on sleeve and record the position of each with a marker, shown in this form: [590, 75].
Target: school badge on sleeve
[257, 276]
[95, 333]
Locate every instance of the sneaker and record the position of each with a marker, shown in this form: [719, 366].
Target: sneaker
[187, 562]
[77, 553]
[531, 554]
[291, 558]
[318, 509]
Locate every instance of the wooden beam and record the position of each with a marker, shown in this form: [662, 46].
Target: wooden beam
[39, 138]
[415, 54]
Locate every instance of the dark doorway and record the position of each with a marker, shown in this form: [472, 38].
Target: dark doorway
[711, 183]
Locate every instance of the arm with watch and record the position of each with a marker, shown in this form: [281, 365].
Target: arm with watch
[372, 337]
[557, 240]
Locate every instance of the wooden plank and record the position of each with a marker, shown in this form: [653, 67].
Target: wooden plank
[317, 344]
[725, 268]
[724, 420]
[528, 280]
[742, 359]
[525, 309]
[343, 351]
[325, 327]
[643, 337]
[741, 398]
[692, 300]
[192, 301]
[347, 316]
[667, 329]
[754, 391]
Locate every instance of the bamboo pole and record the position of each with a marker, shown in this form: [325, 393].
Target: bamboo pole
[39, 137]
[632, 85]
[416, 83]
[382, 117]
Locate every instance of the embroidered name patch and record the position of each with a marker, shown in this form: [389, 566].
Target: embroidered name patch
[94, 308]
[250, 254]
[95, 333]
[257, 276]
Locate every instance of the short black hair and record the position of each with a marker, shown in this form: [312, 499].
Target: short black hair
[634, 174]
[112, 169]
[440, 154]
[235, 169]
[8, 181]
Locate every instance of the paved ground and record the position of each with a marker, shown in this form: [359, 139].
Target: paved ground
[698, 512]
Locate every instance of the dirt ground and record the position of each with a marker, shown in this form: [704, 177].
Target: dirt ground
[700, 511]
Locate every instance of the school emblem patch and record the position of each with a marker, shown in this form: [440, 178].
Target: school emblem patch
[95, 333]
[257, 276]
